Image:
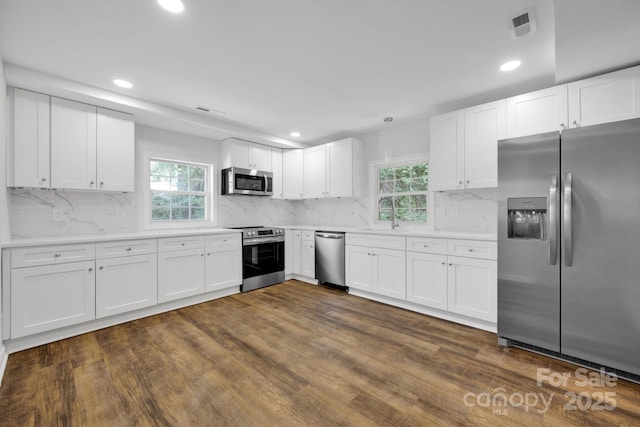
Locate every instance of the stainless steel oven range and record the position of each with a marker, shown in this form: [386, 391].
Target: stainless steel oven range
[262, 257]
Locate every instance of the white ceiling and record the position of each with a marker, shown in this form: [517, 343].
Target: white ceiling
[328, 69]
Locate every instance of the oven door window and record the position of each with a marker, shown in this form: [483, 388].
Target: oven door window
[262, 258]
[250, 182]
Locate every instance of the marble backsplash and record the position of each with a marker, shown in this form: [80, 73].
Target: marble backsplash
[470, 211]
[31, 213]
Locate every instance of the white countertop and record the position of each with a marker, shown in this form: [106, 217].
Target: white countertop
[93, 238]
[398, 232]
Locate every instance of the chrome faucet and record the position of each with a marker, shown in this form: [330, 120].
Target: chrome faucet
[394, 224]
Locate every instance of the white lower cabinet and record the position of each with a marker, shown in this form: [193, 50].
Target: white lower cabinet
[296, 251]
[180, 271]
[472, 287]
[427, 279]
[223, 262]
[51, 296]
[308, 255]
[379, 270]
[126, 283]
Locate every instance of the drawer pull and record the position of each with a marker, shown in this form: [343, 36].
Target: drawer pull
[101, 267]
[470, 250]
[129, 249]
[90, 270]
[182, 243]
[426, 246]
[442, 263]
[56, 255]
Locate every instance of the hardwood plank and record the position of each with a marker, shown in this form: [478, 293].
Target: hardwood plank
[299, 355]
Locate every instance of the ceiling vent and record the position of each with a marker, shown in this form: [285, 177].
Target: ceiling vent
[522, 24]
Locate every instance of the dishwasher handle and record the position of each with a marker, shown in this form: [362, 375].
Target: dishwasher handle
[330, 235]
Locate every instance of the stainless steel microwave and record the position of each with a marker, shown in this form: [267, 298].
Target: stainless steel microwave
[247, 182]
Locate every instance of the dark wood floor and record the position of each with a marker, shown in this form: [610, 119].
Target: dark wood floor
[297, 354]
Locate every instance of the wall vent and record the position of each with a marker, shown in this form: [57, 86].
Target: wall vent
[522, 24]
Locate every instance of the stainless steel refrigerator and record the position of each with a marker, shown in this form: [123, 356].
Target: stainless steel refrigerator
[569, 243]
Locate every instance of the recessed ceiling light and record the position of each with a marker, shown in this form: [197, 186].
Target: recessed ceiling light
[511, 65]
[173, 6]
[123, 83]
[295, 134]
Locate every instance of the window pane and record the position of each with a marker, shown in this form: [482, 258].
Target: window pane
[403, 185]
[198, 201]
[386, 187]
[419, 201]
[179, 200]
[403, 172]
[160, 200]
[385, 203]
[419, 170]
[386, 174]
[197, 213]
[159, 168]
[196, 185]
[179, 213]
[420, 184]
[403, 202]
[401, 214]
[385, 215]
[160, 183]
[160, 214]
[197, 172]
[180, 171]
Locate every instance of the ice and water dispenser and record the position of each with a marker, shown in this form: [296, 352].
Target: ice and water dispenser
[527, 218]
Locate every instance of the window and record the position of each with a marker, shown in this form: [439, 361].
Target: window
[403, 188]
[179, 191]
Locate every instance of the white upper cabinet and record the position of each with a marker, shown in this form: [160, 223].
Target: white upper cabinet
[484, 125]
[91, 148]
[115, 154]
[446, 166]
[73, 145]
[292, 174]
[537, 112]
[276, 168]
[333, 170]
[315, 172]
[244, 154]
[28, 155]
[464, 147]
[607, 98]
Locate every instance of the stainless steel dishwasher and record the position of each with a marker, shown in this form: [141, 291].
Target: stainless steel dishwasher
[330, 258]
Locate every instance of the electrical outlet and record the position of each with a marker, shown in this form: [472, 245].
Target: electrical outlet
[452, 211]
[57, 215]
[119, 214]
[440, 212]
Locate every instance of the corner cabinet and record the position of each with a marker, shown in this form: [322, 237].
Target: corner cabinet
[28, 146]
[464, 147]
[91, 148]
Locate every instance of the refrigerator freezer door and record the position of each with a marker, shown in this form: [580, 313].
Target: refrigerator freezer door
[528, 269]
[601, 287]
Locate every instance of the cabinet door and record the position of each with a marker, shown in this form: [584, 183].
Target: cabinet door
[359, 267]
[292, 176]
[180, 274]
[472, 287]
[297, 252]
[115, 151]
[288, 252]
[260, 157]
[484, 125]
[606, 98]
[537, 112]
[29, 158]
[390, 273]
[315, 172]
[308, 259]
[276, 168]
[125, 284]
[51, 297]
[339, 168]
[240, 154]
[447, 152]
[73, 145]
[427, 279]
[223, 264]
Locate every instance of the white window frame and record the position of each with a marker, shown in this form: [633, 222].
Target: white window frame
[211, 183]
[374, 222]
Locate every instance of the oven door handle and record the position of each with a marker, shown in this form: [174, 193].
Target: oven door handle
[261, 240]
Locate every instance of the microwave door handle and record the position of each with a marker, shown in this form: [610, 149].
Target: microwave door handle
[266, 184]
[568, 236]
[553, 220]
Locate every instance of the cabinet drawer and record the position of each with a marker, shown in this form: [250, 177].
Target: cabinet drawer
[178, 243]
[427, 245]
[376, 241]
[308, 235]
[47, 255]
[473, 249]
[126, 247]
[223, 242]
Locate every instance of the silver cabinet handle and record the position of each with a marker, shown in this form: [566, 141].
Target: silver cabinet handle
[90, 270]
[426, 246]
[442, 263]
[568, 237]
[91, 183]
[56, 255]
[101, 267]
[575, 122]
[553, 220]
[450, 264]
[44, 179]
[128, 249]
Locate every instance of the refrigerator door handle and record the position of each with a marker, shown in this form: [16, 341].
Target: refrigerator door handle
[553, 220]
[568, 238]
